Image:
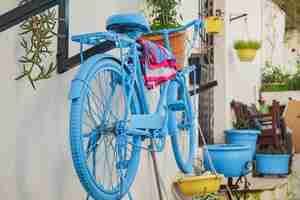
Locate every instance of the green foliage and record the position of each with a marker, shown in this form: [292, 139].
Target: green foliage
[164, 13]
[247, 44]
[241, 124]
[292, 10]
[274, 87]
[36, 35]
[275, 80]
[273, 74]
[270, 149]
[294, 82]
[210, 196]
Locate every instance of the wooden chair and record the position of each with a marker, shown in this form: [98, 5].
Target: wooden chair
[270, 124]
[271, 127]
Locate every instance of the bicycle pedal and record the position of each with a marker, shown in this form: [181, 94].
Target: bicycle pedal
[147, 121]
[177, 106]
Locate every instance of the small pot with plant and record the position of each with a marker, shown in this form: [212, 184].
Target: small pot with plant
[164, 15]
[246, 49]
[243, 134]
[243, 131]
[272, 160]
[213, 24]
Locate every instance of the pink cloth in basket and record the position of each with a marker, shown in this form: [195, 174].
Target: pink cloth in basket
[159, 64]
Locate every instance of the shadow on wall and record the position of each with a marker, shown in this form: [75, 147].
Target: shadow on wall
[43, 162]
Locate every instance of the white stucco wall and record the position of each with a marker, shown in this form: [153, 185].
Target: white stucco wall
[35, 156]
[241, 80]
[237, 80]
[244, 77]
[282, 97]
[273, 33]
[220, 92]
[35, 159]
[290, 57]
[7, 117]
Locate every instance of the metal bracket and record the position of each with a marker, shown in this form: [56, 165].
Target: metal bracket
[233, 17]
[23, 12]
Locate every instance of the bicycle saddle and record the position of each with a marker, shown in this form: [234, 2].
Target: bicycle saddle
[129, 22]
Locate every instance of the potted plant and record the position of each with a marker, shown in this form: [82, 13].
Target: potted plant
[199, 186]
[243, 131]
[164, 15]
[272, 160]
[246, 49]
[213, 24]
[243, 136]
[231, 160]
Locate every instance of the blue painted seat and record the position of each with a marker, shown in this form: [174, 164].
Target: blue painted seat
[129, 22]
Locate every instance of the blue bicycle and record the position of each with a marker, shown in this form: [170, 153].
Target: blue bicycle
[110, 117]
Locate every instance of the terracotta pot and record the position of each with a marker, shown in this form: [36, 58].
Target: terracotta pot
[177, 43]
[246, 55]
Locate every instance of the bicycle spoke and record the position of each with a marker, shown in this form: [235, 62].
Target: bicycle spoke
[111, 171]
[91, 113]
[104, 107]
[94, 163]
[184, 130]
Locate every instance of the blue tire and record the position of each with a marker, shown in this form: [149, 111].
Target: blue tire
[181, 125]
[93, 137]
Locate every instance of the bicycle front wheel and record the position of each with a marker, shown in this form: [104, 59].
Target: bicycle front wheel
[181, 125]
[105, 158]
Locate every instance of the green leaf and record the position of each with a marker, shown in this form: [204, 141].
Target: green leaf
[164, 13]
[31, 82]
[38, 47]
[21, 76]
[23, 43]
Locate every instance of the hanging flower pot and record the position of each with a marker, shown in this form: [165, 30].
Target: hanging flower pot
[213, 24]
[246, 49]
[246, 55]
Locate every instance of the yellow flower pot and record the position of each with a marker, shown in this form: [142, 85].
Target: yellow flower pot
[213, 24]
[246, 55]
[199, 185]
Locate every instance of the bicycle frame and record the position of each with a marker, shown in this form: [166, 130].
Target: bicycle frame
[133, 78]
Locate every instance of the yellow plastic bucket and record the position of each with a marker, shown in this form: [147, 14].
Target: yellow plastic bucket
[199, 185]
[213, 24]
[246, 55]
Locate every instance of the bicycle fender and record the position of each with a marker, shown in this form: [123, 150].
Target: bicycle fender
[78, 82]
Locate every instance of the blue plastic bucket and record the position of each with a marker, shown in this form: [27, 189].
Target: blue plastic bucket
[244, 137]
[272, 164]
[231, 160]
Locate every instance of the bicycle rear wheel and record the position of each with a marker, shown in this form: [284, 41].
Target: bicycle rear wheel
[181, 125]
[105, 158]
